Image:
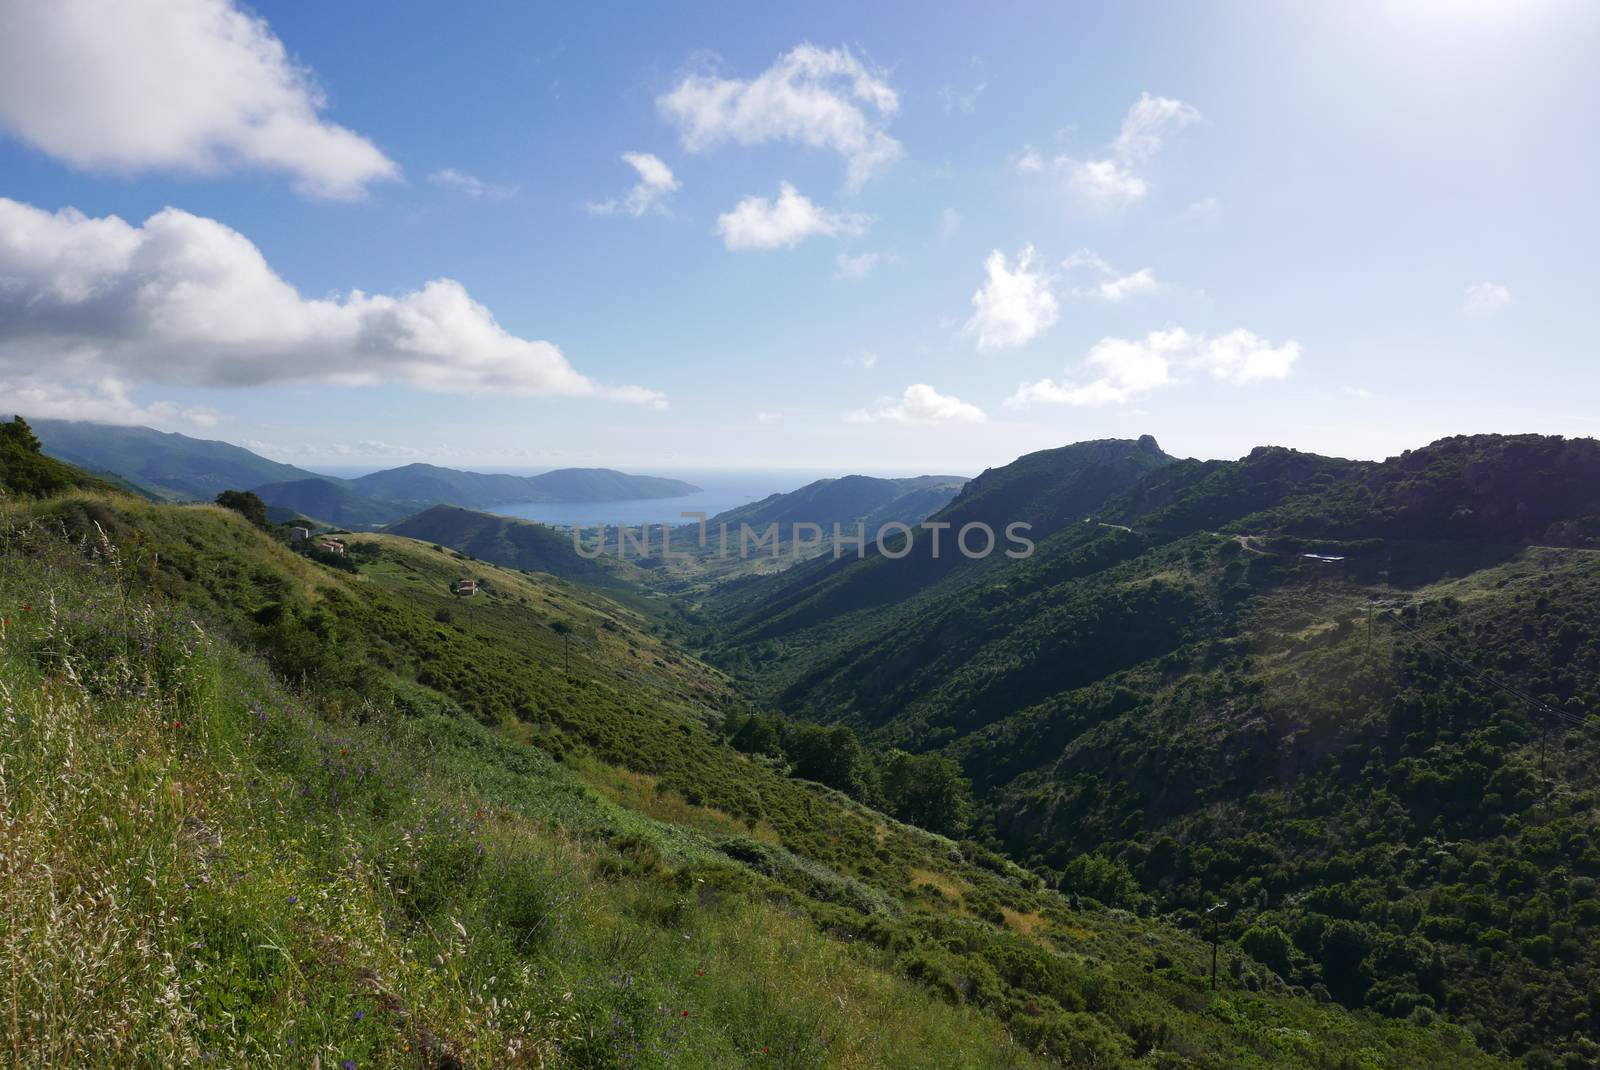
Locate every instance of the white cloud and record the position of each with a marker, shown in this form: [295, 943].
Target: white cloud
[856, 267]
[1014, 305]
[921, 404]
[1205, 210]
[1146, 125]
[825, 98]
[949, 222]
[768, 416]
[1111, 285]
[1114, 182]
[193, 86]
[1242, 357]
[866, 360]
[105, 401]
[1142, 281]
[461, 182]
[1028, 161]
[787, 220]
[1485, 298]
[186, 300]
[1120, 369]
[656, 184]
[1102, 185]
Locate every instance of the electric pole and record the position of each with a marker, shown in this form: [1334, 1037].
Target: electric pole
[1211, 914]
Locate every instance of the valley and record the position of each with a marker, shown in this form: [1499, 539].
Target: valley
[1276, 702]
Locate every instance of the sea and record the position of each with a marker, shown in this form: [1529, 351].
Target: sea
[721, 490]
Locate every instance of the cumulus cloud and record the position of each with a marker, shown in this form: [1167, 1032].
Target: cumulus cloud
[921, 404]
[656, 184]
[1110, 284]
[782, 222]
[195, 86]
[461, 182]
[825, 98]
[1114, 182]
[1485, 298]
[1014, 305]
[186, 300]
[1118, 369]
[106, 401]
[1242, 357]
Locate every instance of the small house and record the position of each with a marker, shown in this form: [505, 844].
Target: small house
[465, 588]
[332, 546]
[299, 534]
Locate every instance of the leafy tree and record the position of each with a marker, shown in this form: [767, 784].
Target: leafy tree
[25, 470]
[831, 756]
[247, 505]
[1270, 946]
[927, 790]
[1105, 879]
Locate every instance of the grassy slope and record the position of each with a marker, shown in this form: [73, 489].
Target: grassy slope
[173, 465]
[271, 864]
[502, 540]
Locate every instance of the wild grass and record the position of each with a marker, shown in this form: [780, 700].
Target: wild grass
[206, 865]
[197, 869]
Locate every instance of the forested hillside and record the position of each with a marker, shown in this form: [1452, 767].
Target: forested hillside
[263, 810]
[1356, 702]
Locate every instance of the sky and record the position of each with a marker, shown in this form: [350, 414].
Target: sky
[878, 238]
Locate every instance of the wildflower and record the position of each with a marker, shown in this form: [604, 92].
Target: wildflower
[293, 899]
[348, 1064]
[685, 1014]
[27, 607]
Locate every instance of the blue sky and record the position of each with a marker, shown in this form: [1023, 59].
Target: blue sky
[1349, 228]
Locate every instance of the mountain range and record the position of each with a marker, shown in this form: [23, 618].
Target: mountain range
[179, 468]
[1357, 702]
[346, 800]
[1336, 717]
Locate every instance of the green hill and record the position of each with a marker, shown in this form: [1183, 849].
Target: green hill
[846, 501]
[603, 485]
[519, 544]
[261, 810]
[175, 466]
[27, 472]
[326, 500]
[1046, 490]
[180, 468]
[1380, 757]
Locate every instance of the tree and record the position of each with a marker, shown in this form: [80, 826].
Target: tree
[19, 436]
[831, 756]
[927, 790]
[247, 505]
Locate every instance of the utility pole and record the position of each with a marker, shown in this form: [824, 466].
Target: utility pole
[1211, 914]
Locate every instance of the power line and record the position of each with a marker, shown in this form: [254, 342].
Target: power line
[1483, 677]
